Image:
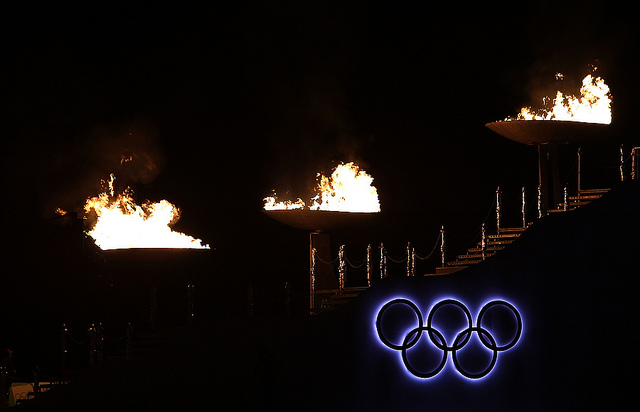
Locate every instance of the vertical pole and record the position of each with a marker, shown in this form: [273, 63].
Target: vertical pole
[413, 261]
[566, 202]
[443, 247]
[369, 265]
[543, 176]
[539, 201]
[621, 164]
[312, 280]
[498, 200]
[408, 258]
[342, 268]
[524, 209]
[634, 154]
[579, 170]
[484, 242]
[383, 262]
[555, 174]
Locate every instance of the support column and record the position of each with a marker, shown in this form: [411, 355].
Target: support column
[323, 278]
[543, 178]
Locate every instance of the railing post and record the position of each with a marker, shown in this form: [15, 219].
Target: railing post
[539, 201]
[383, 262]
[634, 164]
[342, 268]
[498, 201]
[312, 280]
[413, 261]
[524, 209]
[408, 259]
[369, 265]
[579, 170]
[621, 164]
[484, 242]
[443, 247]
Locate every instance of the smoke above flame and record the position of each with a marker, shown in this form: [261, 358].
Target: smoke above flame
[592, 106]
[123, 224]
[348, 189]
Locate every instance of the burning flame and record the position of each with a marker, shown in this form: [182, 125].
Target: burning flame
[593, 105]
[349, 189]
[123, 224]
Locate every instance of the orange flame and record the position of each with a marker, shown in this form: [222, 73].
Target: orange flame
[123, 224]
[349, 189]
[593, 105]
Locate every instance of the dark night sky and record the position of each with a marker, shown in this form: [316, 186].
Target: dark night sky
[220, 105]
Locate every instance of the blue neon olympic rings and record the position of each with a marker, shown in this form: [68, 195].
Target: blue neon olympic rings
[439, 341]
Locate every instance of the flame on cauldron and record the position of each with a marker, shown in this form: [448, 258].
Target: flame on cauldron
[123, 224]
[348, 189]
[592, 106]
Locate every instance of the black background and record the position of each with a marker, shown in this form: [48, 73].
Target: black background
[220, 105]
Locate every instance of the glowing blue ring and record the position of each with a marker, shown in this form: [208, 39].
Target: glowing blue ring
[494, 346]
[494, 358]
[439, 341]
[418, 332]
[431, 328]
[384, 339]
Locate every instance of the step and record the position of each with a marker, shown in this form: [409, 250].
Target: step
[474, 256]
[506, 230]
[449, 270]
[508, 235]
[585, 197]
[488, 249]
[503, 242]
[594, 191]
[464, 263]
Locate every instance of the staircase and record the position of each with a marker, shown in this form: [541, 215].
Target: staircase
[476, 254]
[582, 198]
[341, 297]
[505, 236]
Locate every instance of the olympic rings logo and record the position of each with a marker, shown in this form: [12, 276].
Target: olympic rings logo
[437, 338]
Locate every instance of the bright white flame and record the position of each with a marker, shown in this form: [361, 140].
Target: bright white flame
[593, 105]
[349, 189]
[123, 224]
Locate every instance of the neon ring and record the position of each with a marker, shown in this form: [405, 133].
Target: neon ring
[438, 339]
